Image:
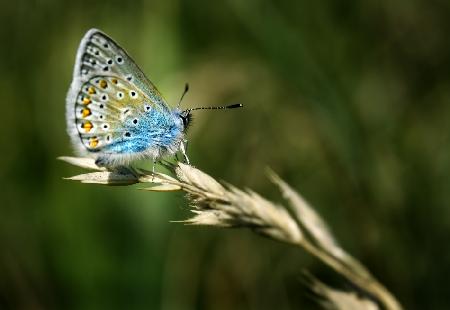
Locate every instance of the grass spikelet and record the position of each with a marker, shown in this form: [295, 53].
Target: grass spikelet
[215, 204]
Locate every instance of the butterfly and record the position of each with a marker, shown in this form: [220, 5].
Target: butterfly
[115, 114]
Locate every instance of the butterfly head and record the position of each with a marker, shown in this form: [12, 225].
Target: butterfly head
[186, 118]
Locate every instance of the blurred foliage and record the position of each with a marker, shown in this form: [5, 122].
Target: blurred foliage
[347, 101]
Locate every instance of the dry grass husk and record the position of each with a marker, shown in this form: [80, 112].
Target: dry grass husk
[215, 204]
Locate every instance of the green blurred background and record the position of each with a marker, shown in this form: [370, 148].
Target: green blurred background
[348, 101]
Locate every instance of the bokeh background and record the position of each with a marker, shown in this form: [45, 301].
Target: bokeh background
[348, 101]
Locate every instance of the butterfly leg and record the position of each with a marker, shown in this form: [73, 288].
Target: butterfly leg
[105, 162]
[154, 163]
[125, 170]
[183, 148]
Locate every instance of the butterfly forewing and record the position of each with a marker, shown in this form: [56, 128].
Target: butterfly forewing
[101, 56]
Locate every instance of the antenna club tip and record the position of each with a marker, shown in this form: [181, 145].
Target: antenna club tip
[233, 106]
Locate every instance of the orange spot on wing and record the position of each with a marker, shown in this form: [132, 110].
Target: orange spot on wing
[87, 126]
[86, 112]
[91, 90]
[114, 81]
[93, 142]
[86, 100]
[103, 84]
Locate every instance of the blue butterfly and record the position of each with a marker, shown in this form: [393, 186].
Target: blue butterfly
[115, 114]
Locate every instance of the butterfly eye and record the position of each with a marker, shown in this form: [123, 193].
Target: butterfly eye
[119, 95]
[119, 59]
[110, 61]
[135, 121]
[127, 134]
[147, 108]
[104, 98]
[105, 126]
[133, 94]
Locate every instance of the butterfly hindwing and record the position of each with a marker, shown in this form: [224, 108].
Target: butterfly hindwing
[106, 111]
[111, 105]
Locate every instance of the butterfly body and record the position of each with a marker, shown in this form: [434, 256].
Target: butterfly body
[114, 113]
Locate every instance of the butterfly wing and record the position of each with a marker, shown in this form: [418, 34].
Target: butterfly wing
[109, 94]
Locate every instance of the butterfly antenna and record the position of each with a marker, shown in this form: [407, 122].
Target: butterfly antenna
[186, 89]
[231, 106]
